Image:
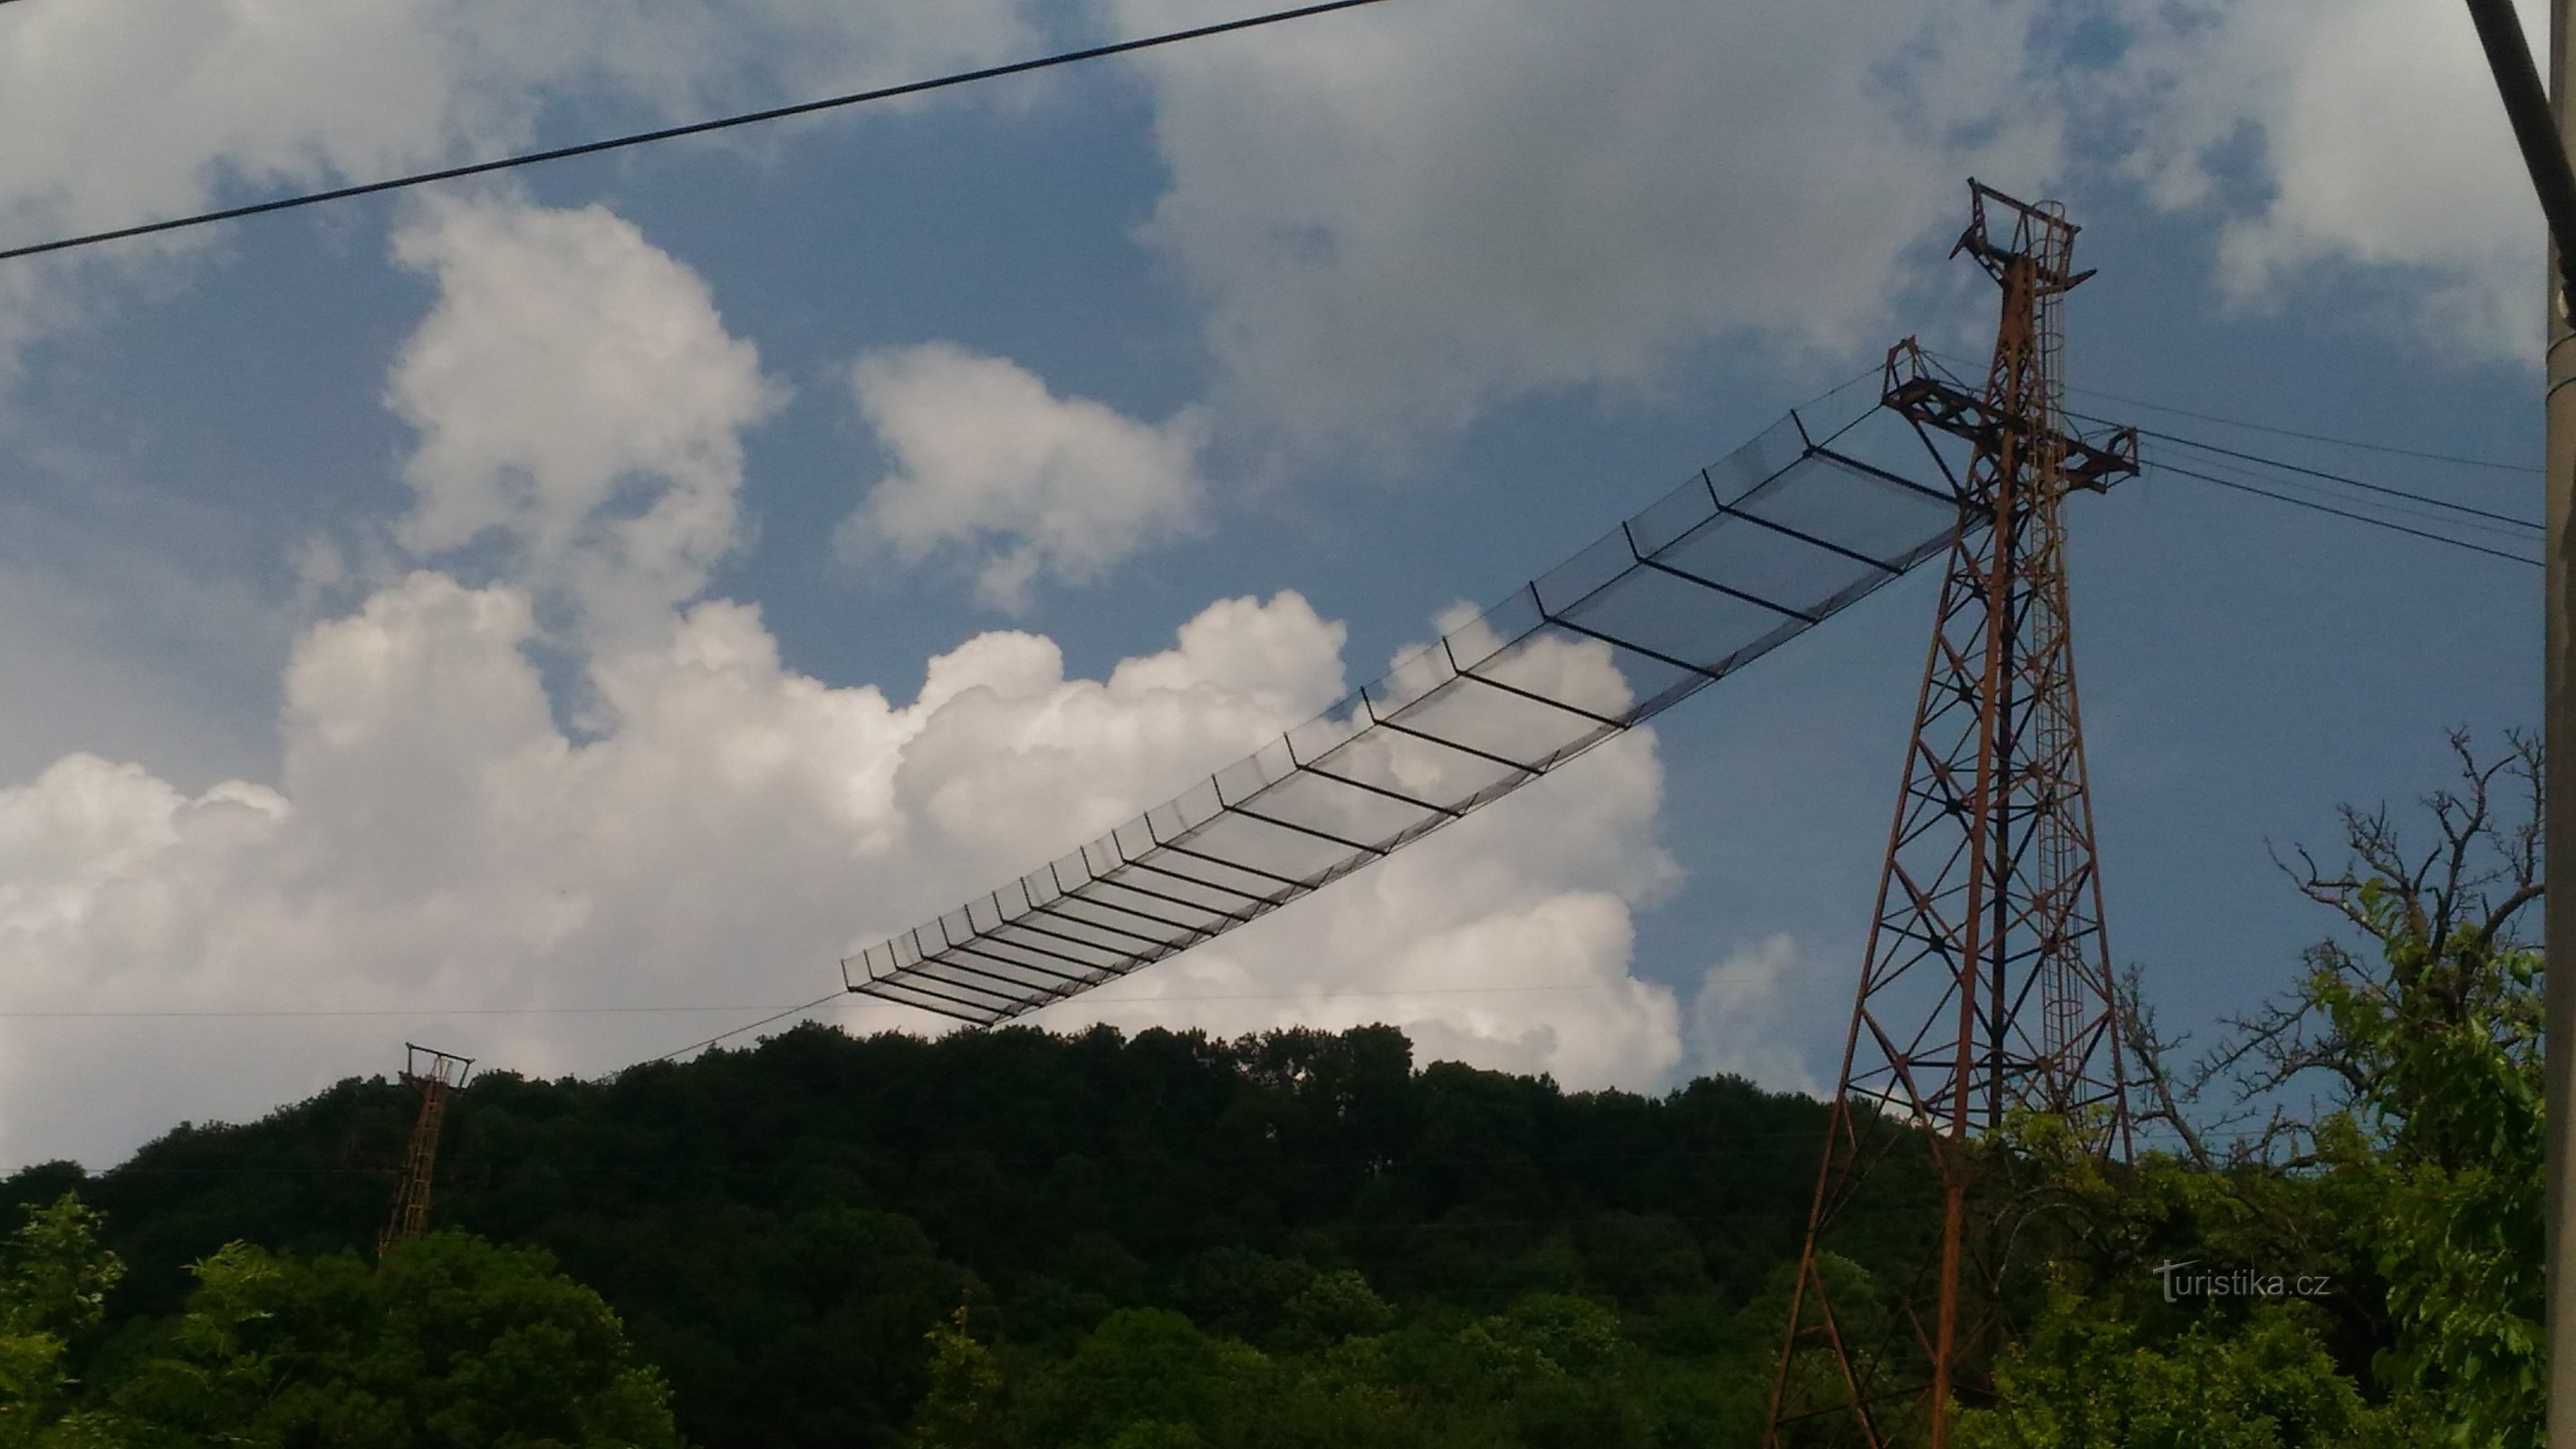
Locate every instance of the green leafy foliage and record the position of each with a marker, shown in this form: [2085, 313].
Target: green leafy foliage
[2090, 1381]
[2444, 1157]
[53, 1287]
[962, 1409]
[448, 1343]
[1284, 1240]
[2413, 1205]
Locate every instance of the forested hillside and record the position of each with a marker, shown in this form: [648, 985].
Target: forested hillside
[1297, 1239]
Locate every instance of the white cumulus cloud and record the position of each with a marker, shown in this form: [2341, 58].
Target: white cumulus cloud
[575, 393]
[2377, 142]
[984, 456]
[1402, 216]
[437, 848]
[1739, 1023]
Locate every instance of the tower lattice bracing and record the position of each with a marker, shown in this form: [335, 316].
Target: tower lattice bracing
[1985, 993]
[434, 1075]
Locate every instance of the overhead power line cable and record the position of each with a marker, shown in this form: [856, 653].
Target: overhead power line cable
[2298, 502]
[694, 128]
[752, 1026]
[2449, 522]
[1951, 367]
[2326, 438]
[2530, 524]
[2524, 527]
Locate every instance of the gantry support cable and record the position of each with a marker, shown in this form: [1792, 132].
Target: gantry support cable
[693, 128]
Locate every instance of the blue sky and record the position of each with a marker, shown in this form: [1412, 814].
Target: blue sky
[482, 607]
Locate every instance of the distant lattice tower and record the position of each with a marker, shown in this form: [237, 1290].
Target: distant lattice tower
[1986, 991]
[433, 1074]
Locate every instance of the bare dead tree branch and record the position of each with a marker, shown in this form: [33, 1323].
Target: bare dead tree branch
[2150, 1051]
[2440, 923]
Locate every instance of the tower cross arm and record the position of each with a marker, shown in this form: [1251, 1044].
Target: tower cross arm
[1916, 390]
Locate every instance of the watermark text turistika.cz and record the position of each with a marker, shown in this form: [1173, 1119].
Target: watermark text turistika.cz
[2181, 1283]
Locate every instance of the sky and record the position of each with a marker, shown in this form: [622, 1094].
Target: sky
[556, 617]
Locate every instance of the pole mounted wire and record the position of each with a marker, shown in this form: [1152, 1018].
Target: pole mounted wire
[2238, 485]
[2420, 454]
[693, 128]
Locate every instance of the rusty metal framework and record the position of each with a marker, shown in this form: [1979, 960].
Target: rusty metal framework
[1822, 509]
[1986, 992]
[434, 1075]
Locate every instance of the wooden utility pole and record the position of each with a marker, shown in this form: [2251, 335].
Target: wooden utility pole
[2544, 126]
[2558, 736]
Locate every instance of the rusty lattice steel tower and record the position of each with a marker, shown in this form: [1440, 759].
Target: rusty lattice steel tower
[1986, 991]
[433, 1074]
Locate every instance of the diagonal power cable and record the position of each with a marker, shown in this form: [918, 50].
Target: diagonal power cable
[2297, 502]
[827, 997]
[2530, 524]
[2327, 438]
[693, 128]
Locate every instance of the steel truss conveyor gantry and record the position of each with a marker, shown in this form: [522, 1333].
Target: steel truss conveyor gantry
[1820, 510]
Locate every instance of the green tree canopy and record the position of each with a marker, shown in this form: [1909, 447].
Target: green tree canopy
[2413, 1201]
[449, 1343]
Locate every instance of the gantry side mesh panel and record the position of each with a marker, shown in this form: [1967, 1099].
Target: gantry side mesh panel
[1788, 530]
